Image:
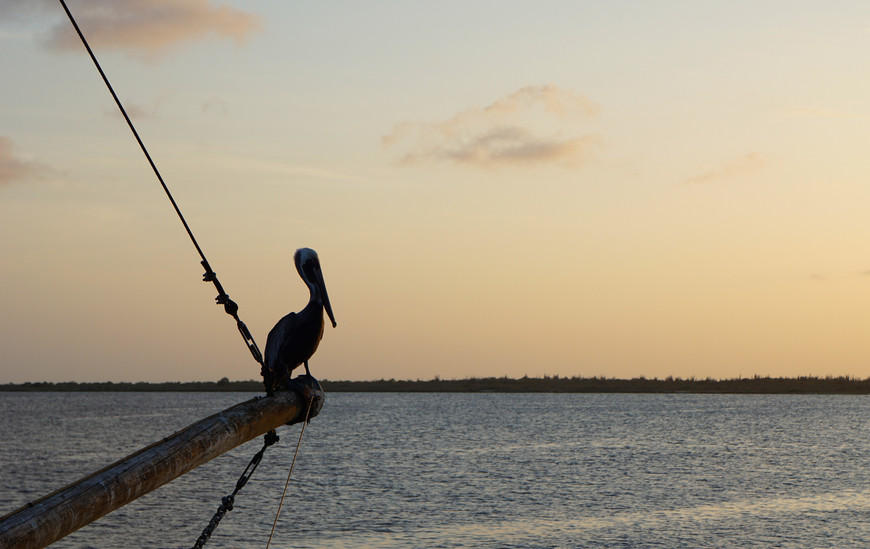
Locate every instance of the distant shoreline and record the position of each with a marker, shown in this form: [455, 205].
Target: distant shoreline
[555, 384]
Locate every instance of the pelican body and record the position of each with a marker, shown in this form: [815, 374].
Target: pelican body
[295, 337]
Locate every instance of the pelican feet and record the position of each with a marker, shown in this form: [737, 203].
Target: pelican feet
[310, 393]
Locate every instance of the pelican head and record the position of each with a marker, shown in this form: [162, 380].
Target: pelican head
[308, 267]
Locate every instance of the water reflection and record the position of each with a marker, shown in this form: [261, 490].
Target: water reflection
[490, 470]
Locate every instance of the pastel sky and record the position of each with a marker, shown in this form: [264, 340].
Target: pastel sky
[499, 188]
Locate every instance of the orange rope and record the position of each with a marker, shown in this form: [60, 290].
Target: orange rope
[286, 484]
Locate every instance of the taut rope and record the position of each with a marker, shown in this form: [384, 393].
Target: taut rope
[223, 298]
[227, 501]
[292, 463]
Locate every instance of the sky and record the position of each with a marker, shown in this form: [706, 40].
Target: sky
[569, 188]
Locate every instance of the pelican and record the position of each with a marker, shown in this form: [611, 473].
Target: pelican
[295, 337]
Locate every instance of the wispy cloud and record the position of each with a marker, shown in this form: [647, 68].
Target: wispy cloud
[6, 34]
[737, 167]
[13, 169]
[251, 165]
[812, 112]
[145, 27]
[19, 10]
[534, 125]
[137, 111]
[820, 276]
[215, 105]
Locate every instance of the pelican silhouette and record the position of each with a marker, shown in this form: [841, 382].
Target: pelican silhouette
[295, 337]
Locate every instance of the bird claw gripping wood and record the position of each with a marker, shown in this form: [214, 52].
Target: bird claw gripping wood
[311, 394]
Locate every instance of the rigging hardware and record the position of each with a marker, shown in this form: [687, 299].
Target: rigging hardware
[226, 505]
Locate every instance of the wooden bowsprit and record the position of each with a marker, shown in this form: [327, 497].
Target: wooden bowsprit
[52, 517]
[60, 513]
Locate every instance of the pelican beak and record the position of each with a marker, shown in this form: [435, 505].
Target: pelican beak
[326, 304]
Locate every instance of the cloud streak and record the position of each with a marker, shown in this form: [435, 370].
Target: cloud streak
[811, 112]
[147, 27]
[737, 167]
[527, 127]
[15, 170]
[20, 10]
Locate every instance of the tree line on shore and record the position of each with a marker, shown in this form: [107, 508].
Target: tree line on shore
[545, 384]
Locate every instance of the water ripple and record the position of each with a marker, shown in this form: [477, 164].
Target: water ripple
[492, 470]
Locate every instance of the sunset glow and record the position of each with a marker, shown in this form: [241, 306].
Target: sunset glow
[570, 188]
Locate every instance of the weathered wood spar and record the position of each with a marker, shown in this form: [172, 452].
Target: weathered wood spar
[58, 514]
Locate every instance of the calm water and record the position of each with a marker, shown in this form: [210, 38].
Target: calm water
[473, 470]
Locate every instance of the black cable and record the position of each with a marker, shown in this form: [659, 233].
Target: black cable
[132, 128]
[223, 298]
[228, 501]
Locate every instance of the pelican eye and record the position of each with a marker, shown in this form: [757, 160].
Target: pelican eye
[310, 271]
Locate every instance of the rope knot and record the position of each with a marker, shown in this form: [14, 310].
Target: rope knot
[208, 275]
[229, 305]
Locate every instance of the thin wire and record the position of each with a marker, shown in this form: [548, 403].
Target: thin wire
[222, 299]
[132, 128]
[286, 484]
[228, 501]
